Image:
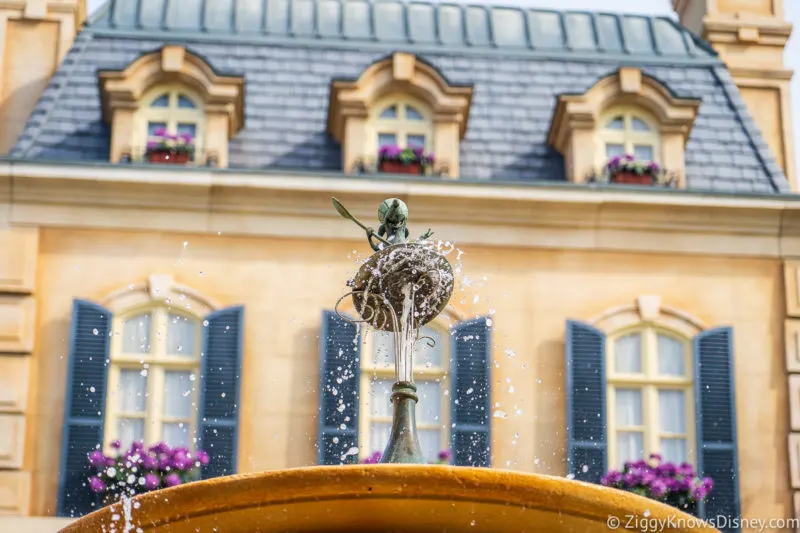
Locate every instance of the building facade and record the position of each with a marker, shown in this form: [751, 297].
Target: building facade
[144, 297]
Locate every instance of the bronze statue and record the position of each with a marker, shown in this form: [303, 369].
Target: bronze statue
[393, 215]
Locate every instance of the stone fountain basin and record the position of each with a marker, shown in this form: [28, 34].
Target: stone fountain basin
[376, 498]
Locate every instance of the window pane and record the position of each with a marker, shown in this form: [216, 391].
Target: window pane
[616, 123]
[181, 336]
[161, 101]
[425, 355]
[185, 103]
[187, 128]
[378, 436]
[671, 360]
[643, 152]
[389, 112]
[176, 434]
[132, 391]
[413, 114]
[380, 398]
[387, 139]
[382, 349]
[628, 354]
[671, 411]
[673, 450]
[628, 408]
[639, 125]
[136, 334]
[178, 394]
[430, 440]
[416, 141]
[429, 407]
[129, 430]
[629, 447]
[153, 127]
[613, 150]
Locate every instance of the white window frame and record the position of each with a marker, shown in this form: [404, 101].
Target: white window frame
[370, 371]
[649, 382]
[400, 127]
[171, 115]
[157, 362]
[627, 137]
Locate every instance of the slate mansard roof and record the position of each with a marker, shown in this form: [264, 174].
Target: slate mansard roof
[518, 62]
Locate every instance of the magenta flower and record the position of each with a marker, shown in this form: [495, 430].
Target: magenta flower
[658, 488]
[445, 455]
[202, 457]
[171, 480]
[151, 481]
[97, 459]
[116, 444]
[97, 485]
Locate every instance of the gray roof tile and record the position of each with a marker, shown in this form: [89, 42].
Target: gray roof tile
[288, 86]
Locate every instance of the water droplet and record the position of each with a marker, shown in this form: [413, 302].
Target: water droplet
[570, 476]
[509, 352]
[91, 389]
[143, 373]
[222, 395]
[585, 468]
[336, 440]
[205, 323]
[472, 523]
[470, 390]
[500, 414]
[95, 331]
[646, 513]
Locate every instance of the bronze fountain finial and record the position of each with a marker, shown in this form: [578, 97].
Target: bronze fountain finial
[400, 288]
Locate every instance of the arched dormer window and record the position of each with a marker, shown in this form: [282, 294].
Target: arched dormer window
[172, 111]
[401, 121]
[650, 382]
[625, 110]
[356, 105]
[628, 130]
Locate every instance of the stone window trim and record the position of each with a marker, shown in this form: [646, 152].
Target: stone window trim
[577, 118]
[401, 73]
[222, 97]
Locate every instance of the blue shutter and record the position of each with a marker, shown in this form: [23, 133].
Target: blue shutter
[220, 390]
[471, 394]
[84, 405]
[716, 420]
[340, 374]
[586, 402]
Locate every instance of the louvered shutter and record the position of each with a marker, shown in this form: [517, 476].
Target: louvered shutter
[471, 394]
[340, 374]
[84, 405]
[220, 390]
[716, 421]
[586, 402]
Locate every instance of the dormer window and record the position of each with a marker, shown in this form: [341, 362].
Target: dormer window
[628, 131]
[171, 106]
[170, 125]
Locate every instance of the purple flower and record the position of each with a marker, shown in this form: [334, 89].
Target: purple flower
[160, 132]
[97, 459]
[445, 455]
[116, 444]
[149, 462]
[685, 469]
[171, 480]
[612, 478]
[373, 459]
[161, 447]
[151, 481]
[655, 457]
[110, 461]
[658, 488]
[630, 480]
[97, 485]
[666, 469]
[203, 457]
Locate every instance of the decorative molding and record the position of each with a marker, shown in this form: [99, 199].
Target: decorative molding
[18, 262]
[222, 96]
[791, 277]
[12, 440]
[403, 73]
[17, 324]
[792, 334]
[648, 309]
[15, 491]
[794, 460]
[794, 401]
[160, 287]
[298, 206]
[576, 115]
[14, 380]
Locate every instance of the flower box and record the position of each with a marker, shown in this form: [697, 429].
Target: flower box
[631, 178]
[398, 167]
[169, 157]
[396, 160]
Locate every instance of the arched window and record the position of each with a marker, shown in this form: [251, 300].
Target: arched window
[650, 396]
[628, 131]
[153, 377]
[174, 111]
[431, 365]
[402, 122]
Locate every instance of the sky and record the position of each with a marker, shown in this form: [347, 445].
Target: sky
[653, 7]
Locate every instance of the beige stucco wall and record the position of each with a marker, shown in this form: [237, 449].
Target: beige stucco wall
[284, 285]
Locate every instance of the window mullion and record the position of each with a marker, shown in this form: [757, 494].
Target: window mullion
[652, 428]
[611, 426]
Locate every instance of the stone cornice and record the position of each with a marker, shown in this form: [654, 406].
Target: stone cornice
[468, 213]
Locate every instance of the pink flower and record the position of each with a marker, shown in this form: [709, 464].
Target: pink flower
[97, 485]
[116, 444]
[172, 480]
[445, 455]
[203, 457]
[97, 459]
[152, 481]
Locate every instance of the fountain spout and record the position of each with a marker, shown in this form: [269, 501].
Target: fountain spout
[400, 288]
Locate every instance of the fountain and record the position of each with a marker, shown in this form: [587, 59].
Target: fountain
[400, 288]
